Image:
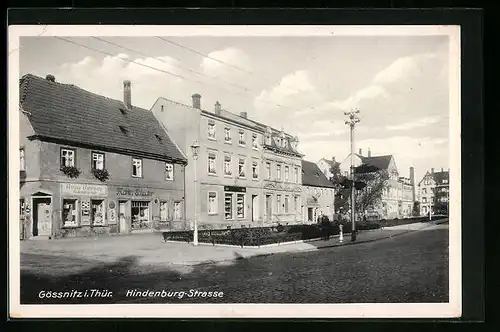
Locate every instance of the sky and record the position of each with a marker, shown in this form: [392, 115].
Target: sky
[301, 84]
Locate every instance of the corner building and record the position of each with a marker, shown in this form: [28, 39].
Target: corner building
[91, 165]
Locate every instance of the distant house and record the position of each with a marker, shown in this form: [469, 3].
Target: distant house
[318, 193]
[399, 195]
[325, 165]
[92, 165]
[434, 192]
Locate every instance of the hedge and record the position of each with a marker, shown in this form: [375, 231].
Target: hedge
[266, 235]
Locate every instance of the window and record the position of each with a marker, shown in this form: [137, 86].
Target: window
[278, 172]
[227, 166]
[140, 215]
[69, 212]
[97, 212]
[241, 168]
[212, 202]
[227, 135]
[22, 156]
[445, 181]
[268, 170]
[136, 167]
[254, 142]
[424, 191]
[211, 163]
[278, 203]
[296, 205]
[240, 205]
[228, 206]
[255, 170]
[67, 158]
[97, 160]
[211, 130]
[177, 211]
[424, 200]
[164, 211]
[296, 175]
[242, 139]
[169, 172]
[286, 204]
[287, 172]
[278, 141]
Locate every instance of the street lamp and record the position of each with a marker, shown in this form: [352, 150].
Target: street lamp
[195, 149]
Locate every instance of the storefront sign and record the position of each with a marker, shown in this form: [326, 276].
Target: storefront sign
[83, 189]
[133, 192]
[235, 189]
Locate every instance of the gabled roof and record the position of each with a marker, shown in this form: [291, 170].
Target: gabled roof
[440, 176]
[69, 113]
[312, 176]
[328, 161]
[381, 162]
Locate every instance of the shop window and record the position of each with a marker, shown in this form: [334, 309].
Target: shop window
[67, 158]
[97, 212]
[69, 212]
[140, 214]
[22, 156]
[212, 202]
[137, 167]
[97, 160]
[177, 211]
[169, 172]
[164, 211]
[211, 163]
[240, 205]
[228, 206]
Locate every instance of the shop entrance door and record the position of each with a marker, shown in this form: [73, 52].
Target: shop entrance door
[42, 216]
[122, 213]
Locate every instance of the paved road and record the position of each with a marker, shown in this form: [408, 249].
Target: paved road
[407, 268]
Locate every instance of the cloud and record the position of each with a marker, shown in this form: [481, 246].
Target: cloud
[232, 63]
[403, 68]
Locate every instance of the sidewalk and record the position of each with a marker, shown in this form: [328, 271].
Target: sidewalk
[149, 249]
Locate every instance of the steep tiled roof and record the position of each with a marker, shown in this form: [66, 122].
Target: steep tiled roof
[66, 112]
[312, 175]
[440, 176]
[381, 162]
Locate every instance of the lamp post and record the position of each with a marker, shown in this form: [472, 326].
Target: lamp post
[351, 122]
[195, 149]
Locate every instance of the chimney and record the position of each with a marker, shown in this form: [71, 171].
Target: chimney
[243, 114]
[432, 170]
[442, 169]
[196, 101]
[217, 108]
[412, 182]
[50, 77]
[127, 94]
[369, 152]
[360, 152]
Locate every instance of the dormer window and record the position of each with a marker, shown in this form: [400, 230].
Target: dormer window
[124, 130]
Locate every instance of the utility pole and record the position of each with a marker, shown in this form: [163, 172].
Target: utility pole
[351, 121]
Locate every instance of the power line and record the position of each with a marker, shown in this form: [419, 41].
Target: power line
[161, 70]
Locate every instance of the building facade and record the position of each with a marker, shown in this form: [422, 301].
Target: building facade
[318, 193]
[325, 165]
[434, 192]
[91, 165]
[399, 194]
[227, 184]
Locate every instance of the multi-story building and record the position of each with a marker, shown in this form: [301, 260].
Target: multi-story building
[93, 165]
[244, 171]
[434, 192]
[318, 193]
[398, 196]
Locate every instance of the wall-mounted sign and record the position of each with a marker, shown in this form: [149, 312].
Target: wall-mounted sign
[235, 189]
[133, 192]
[83, 189]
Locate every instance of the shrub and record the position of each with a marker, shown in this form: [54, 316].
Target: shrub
[100, 174]
[71, 171]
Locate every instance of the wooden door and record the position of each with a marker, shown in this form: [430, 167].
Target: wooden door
[44, 217]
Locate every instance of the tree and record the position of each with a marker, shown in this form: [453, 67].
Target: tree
[416, 209]
[440, 201]
[369, 182]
